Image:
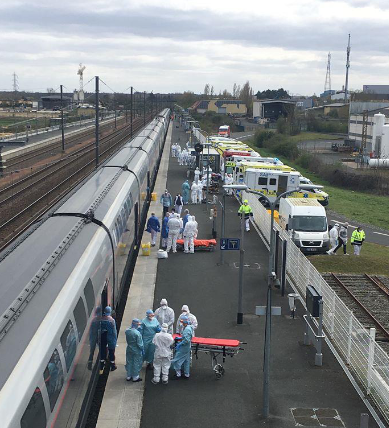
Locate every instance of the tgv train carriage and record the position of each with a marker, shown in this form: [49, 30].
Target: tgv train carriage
[55, 281]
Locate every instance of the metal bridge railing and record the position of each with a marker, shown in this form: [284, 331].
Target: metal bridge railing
[368, 361]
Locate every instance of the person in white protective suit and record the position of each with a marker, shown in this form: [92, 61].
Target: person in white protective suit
[334, 235]
[200, 186]
[190, 232]
[173, 150]
[178, 152]
[162, 355]
[197, 175]
[192, 319]
[174, 224]
[165, 315]
[193, 193]
[228, 180]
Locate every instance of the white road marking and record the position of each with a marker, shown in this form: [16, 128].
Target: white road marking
[379, 233]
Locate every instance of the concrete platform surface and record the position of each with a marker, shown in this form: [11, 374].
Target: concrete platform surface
[301, 394]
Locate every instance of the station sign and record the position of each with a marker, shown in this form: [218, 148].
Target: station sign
[229, 244]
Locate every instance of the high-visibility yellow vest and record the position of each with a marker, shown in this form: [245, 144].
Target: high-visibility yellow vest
[245, 209]
[357, 237]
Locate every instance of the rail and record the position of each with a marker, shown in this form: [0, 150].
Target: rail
[367, 361]
[15, 224]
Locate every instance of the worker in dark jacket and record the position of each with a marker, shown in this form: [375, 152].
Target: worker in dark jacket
[246, 211]
[153, 227]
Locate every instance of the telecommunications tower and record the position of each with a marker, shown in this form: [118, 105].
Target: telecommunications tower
[347, 67]
[327, 84]
[80, 72]
[15, 84]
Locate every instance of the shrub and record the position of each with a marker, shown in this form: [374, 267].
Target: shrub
[282, 125]
[305, 160]
[261, 137]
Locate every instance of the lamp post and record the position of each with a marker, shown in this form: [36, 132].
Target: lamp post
[271, 278]
[239, 315]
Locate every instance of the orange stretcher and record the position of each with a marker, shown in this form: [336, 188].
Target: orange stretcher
[215, 348]
[199, 244]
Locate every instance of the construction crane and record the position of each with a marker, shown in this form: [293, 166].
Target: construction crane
[80, 72]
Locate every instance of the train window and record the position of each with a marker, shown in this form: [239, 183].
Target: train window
[35, 414]
[80, 317]
[89, 296]
[53, 376]
[262, 181]
[272, 182]
[127, 208]
[69, 344]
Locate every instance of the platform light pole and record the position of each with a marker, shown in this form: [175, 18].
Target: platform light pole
[271, 278]
[97, 121]
[62, 127]
[239, 315]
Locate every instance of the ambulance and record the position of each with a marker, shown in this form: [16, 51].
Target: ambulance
[272, 183]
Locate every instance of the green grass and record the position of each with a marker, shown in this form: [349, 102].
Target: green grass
[304, 136]
[373, 260]
[358, 206]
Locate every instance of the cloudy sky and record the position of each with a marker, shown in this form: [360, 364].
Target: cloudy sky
[176, 45]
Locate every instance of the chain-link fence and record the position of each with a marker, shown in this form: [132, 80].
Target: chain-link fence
[368, 362]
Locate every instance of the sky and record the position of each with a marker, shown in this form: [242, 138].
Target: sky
[174, 46]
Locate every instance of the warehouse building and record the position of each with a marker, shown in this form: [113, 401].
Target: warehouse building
[53, 102]
[232, 107]
[271, 110]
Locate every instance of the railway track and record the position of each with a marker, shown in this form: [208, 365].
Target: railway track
[22, 203]
[368, 297]
[55, 148]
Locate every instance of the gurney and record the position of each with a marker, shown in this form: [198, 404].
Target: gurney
[199, 244]
[215, 348]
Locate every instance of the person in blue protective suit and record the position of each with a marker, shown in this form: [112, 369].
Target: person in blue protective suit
[182, 356]
[185, 191]
[153, 227]
[165, 231]
[134, 351]
[149, 328]
[185, 219]
[108, 338]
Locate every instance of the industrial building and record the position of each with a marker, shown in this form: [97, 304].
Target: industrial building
[53, 102]
[356, 123]
[271, 110]
[341, 109]
[233, 107]
[376, 89]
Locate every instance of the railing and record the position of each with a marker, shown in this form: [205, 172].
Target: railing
[368, 362]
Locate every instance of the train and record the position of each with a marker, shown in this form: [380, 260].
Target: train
[57, 278]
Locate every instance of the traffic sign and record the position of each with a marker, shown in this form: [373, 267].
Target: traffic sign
[229, 244]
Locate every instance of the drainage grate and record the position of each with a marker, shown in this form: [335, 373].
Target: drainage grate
[316, 418]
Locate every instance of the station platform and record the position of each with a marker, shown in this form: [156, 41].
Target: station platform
[301, 394]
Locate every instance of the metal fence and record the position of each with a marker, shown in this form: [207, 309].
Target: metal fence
[356, 345]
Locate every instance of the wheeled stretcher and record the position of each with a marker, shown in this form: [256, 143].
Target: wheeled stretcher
[215, 348]
[199, 244]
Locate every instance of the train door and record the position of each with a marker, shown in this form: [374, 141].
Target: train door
[104, 296]
[136, 226]
[148, 185]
